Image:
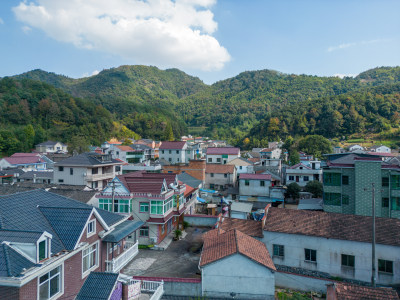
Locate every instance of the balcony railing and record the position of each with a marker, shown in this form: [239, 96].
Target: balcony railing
[154, 288]
[95, 177]
[116, 264]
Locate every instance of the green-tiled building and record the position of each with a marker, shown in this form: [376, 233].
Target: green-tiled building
[348, 179]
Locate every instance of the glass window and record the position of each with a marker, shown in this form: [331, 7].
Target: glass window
[310, 255]
[246, 182]
[345, 180]
[105, 204]
[348, 260]
[306, 178]
[50, 284]
[385, 266]
[395, 181]
[226, 175]
[385, 181]
[156, 207]
[144, 231]
[240, 167]
[385, 202]
[279, 250]
[212, 186]
[121, 205]
[291, 177]
[60, 180]
[60, 169]
[42, 250]
[144, 207]
[333, 179]
[89, 258]
[212, 174]
[262, 183]
[177, 151]
[332, 199]
[218, 159]
[162, 151]
[91, 228]
[95, 170]
[71, 171]
[169, 151]
[209, 159]
[395, 203]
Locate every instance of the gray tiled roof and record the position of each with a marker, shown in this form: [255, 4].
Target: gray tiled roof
[98, 286]
[189, 180]
[87, 159]
[122, 230]
[20, 236]
[12, 263]
[37, 174]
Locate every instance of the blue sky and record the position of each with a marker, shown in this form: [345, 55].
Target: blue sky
[211, 39]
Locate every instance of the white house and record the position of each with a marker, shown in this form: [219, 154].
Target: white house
[302, 174]
[222, 155]
[356, 147]
[220, 177]
[175, 152]
[235, 265]
[380, 149]
[24, 161]
[242, 165]
[51, 147]
[259, 187]
[270, 153]
[303, 242]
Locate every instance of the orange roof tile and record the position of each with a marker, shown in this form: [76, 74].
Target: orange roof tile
[346, 291]
[220, 169]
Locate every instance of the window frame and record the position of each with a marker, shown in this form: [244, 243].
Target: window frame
[348, 260]
[96, 264]
[144, 204]
[345, 179]
[291, 177]
[146, 229]
[385, 181]
[91, 223]
[61, 281]
[278, 250]
[310, 255]
[386, 266]
[247, 182]
[385, 202]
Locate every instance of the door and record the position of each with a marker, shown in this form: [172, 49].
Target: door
[297, 178]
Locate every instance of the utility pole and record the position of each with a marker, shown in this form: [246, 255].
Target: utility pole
[373, 284]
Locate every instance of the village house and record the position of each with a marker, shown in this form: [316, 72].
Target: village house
[235, 265]
[356, 148]
[24, 161]
[50, 244]
[339, 290]
[221, 155]
[175, 152]
[51, 147]
[259, 188]
[302, 173]
[37, 177]
[242, 165]
[195, 168]
[158, 199]
[329, 245]
[91, 169]
[380, 149]
[220, 177]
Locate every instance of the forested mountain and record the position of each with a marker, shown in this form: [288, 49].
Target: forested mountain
[147, 100]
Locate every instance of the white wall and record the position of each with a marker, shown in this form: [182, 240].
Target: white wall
[77, 178]
[214, 158]
[254, 188]
[238, 274]
[329, 256]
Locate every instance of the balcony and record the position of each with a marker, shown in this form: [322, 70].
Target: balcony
[116, 264]
[152, 290]
[96, 177]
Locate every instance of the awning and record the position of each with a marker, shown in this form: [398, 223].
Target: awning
[122, 230]
[208, 191]
[201, 200]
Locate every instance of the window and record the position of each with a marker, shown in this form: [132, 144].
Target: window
[218, 160]
[61, 169]
[156, 207]
[385, 266]
[345, 180]
[345, 199]
[332, 199]
[247, 182]
[279, 250]
[162, 151]
[385, 202]
[226, 175]
[385, 181]
[210, 159]
[291, 178]
[240, 167]
[144, 207]
[212, 186]
[117, 168]
[310, 255]
[162, 229]
[395, 203]
[169, 151]
[177, 159]
[71, 171]
[43, 250]
[50, 284]
[91, 227]
[60, 180]
[395, 180]
[144, 231]
[348, 260]
[121, 205]
[118, 153]
[262, 183]
[105, 204]
[177, 151]
[212, 174]
[333, 179]
[306, 178]
[89, 258]
[95, 170]
[170, 159]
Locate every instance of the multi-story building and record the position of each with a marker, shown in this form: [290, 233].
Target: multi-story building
[351, 180]
[24, 161]
[91, 169]
[242, 165]
[175, 152]
[221, 155]
[50, 244]
[302, 173]
[51, 147]
[220, 177]
[132, 154]
[155, 198]
[259, 187]
[195, 168]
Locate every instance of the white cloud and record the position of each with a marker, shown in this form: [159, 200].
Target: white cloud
[348, 45]
[166, 33]
[95, 72]
[1, 21]
[26, 29]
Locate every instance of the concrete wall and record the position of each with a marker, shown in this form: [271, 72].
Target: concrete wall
[254, 188]
[218, 159]
[300, 283]
[220, 179]
[201, 220]
[240, 275]
[77, 178]
[329, 253]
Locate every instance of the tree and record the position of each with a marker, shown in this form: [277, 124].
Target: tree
[78, 144]
[315, 145]
[29, 135]
[293, 190]
[294, 158]
[168, 133]
[315, 187]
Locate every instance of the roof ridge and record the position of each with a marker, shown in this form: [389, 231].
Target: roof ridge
[58, 207]
[16, 230]
[7, 259]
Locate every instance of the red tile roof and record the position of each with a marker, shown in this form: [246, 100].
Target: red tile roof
[125, 148]
[254, 159]
[255, 176]
[220, 169]
[142, 182]
[223, 150]
[333, 225]
[189, 190]
[250, 227]
[19, 160]
[346, 291]
[18, 154]
[299, 165]
[219, 244]
[172, 145]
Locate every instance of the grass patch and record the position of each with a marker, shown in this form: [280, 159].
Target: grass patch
[145, 246]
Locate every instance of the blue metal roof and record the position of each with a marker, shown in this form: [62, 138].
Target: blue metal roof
[122, 230]
[98, 285]
[12, 263]
[201, 200]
